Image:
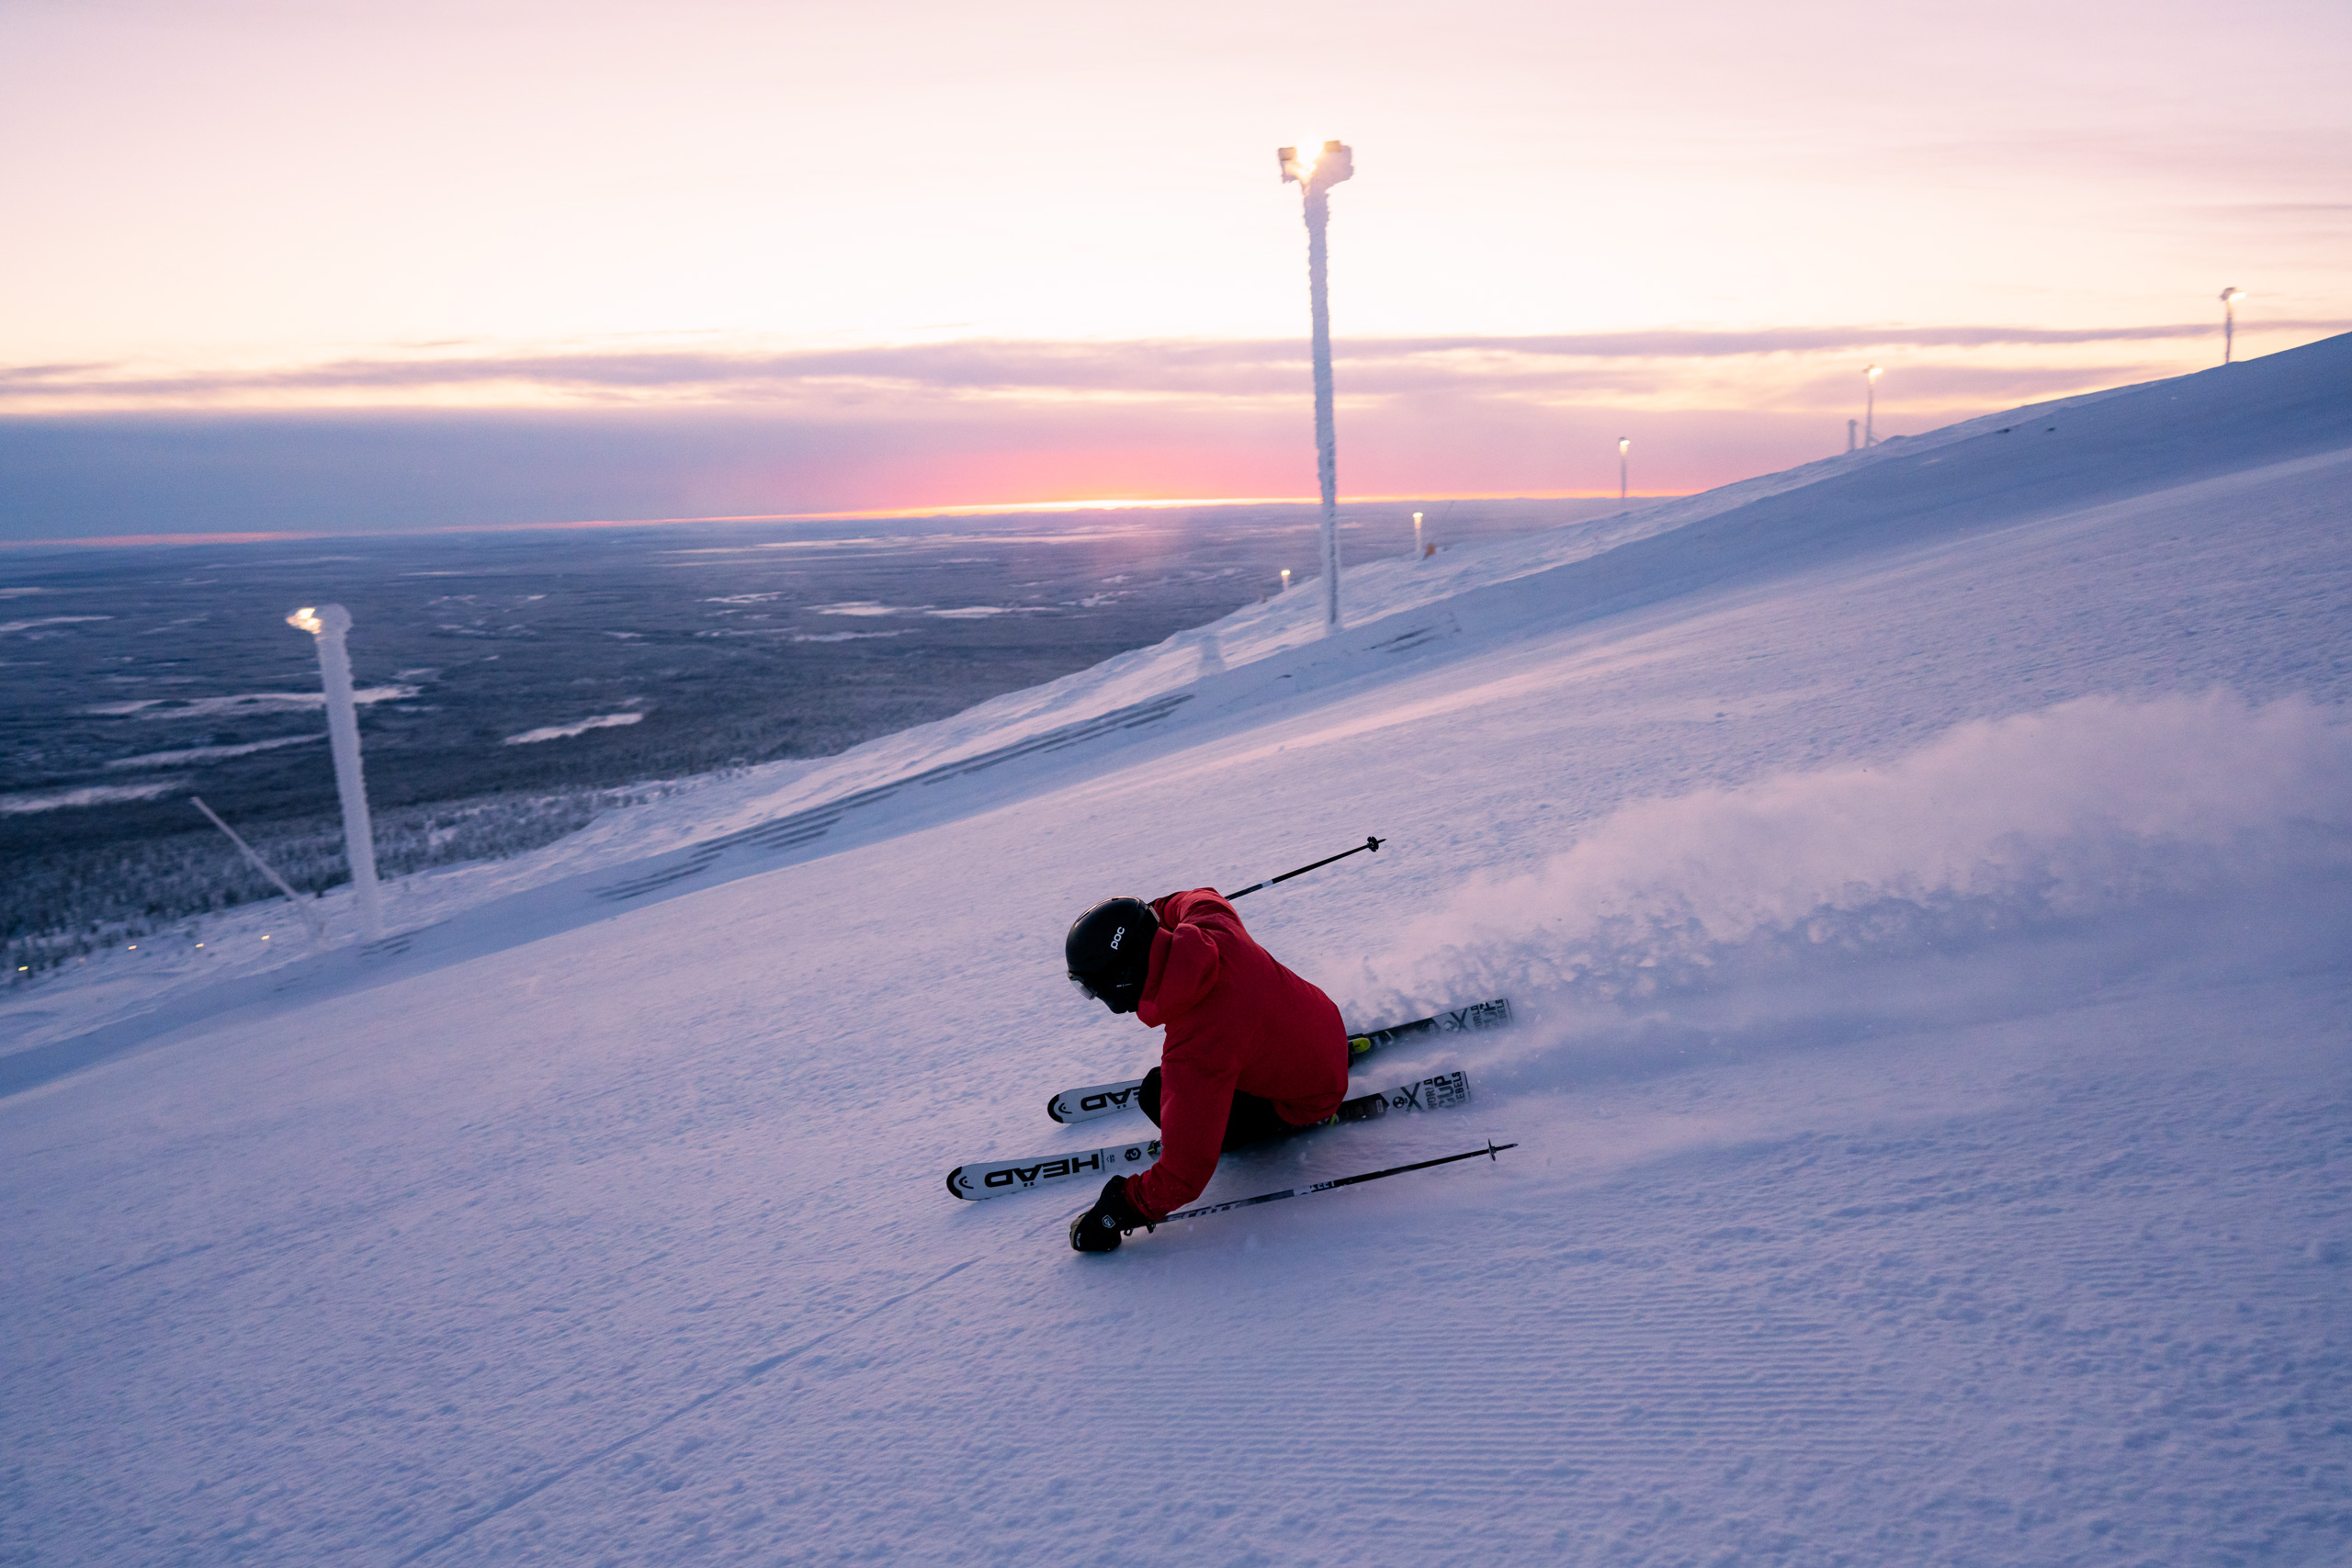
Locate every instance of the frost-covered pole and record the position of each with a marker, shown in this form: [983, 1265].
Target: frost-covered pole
[1334, 164]
[1327, 441]
[1417, 537]
[1624, 445]
[1870, 404]
[328, 623]
[2229, 298]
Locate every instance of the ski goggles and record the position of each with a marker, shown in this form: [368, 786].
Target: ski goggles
[1107, 985]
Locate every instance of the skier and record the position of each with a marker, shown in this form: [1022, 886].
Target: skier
[1252, 1053]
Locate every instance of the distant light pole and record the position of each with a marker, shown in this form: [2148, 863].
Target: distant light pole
[1315, 178]
[2229, 298]
[1870, 405]
[328, 623]
[1624, 445]
[1418, 554]
[1851, 426]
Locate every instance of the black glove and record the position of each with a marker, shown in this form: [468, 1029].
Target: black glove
[1102, 1227]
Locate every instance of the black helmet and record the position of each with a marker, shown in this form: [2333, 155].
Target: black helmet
[1109, 952]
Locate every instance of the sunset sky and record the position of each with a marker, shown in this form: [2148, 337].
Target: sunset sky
[802, 258]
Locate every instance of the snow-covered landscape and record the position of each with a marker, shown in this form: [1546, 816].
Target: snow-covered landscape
[1923, 881]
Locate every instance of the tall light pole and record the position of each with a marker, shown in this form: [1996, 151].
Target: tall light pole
[1624, 445]
[1870, 405]
[2229, 298]
[1416, 538]
[1315, 177]
[328, 623]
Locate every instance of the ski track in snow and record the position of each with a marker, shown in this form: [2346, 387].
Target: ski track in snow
[755, 1370]
[1925, 902]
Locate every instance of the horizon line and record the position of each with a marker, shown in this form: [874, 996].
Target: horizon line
[972, 509]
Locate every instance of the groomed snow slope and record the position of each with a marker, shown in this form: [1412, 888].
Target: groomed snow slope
[1924, 881]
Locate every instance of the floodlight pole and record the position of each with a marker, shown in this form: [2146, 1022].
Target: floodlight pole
[328, 623]
[1870, 405]
[1315, 178]
[2229, 298]
[1624, 445]
[1418, 554]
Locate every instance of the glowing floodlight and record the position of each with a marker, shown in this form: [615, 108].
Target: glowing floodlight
[328, 623]
[1315, 179]
[1335, 163]
[2229, 298]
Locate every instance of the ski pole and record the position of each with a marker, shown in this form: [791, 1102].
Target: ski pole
[1490, 1151]
[1369, 844]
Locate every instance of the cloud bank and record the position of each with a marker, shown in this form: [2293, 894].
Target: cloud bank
[450, 439]
[1157, 369]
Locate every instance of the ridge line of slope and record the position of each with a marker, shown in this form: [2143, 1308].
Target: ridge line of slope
[2266, 387]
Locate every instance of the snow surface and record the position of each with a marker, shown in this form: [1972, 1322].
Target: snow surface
[1924, 878]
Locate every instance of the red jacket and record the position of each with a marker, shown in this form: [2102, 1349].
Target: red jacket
[1235, 1019]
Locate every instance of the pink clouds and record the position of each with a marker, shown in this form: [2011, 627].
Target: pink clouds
[1963, 359]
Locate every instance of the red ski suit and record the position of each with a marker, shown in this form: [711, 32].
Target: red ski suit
[1235, 1019]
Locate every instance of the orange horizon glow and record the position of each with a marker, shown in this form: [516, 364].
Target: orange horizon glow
[1134, 504]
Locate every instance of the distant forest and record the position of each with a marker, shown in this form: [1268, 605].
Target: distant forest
[140, 677]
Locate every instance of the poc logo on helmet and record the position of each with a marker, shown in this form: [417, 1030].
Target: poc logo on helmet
[1116, 937]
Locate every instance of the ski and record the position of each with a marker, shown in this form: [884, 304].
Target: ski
[994, 1178]
[1477, 1015]
[1109, 1098]
[1439, 1091]
[1100, 1099]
